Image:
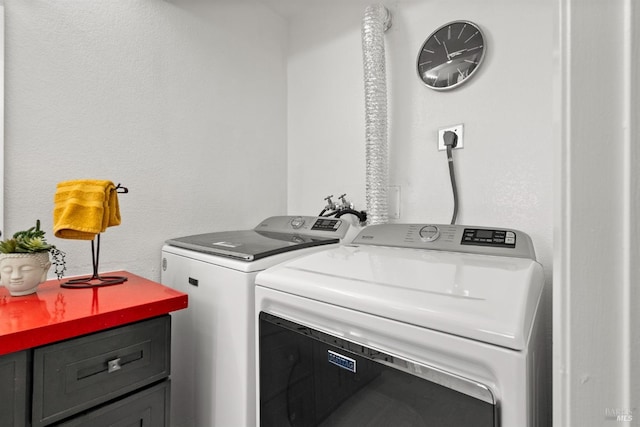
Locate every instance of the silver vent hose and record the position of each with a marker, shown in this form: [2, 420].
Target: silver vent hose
[377, 20]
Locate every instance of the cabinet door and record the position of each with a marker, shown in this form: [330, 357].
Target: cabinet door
[14, 381]
[78, 374]
[147, 408]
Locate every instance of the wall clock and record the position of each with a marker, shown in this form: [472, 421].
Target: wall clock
[451, 55]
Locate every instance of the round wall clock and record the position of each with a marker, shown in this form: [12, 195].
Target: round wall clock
[451, 55]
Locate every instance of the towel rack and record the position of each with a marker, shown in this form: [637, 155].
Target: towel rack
[122, 190]
[95, 280]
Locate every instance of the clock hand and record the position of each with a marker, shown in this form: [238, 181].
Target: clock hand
[456, 53]
[446, 50]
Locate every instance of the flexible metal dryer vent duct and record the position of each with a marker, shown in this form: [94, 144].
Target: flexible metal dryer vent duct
[377, 20]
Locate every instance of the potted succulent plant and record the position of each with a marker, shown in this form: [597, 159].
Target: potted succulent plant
[24, 261]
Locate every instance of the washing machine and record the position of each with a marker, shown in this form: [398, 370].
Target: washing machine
[410, 325]
[212, 357]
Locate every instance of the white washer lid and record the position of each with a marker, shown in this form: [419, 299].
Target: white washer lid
[482, 297]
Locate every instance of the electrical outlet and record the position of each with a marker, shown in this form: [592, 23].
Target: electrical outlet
[458, 130]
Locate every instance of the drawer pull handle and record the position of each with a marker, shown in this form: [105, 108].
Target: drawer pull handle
[114, 365]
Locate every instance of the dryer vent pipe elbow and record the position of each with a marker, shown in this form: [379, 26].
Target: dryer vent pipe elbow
[377, 20]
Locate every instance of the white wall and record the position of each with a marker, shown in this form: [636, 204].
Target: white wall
[2, 120]
[186, 109]
[505, 170]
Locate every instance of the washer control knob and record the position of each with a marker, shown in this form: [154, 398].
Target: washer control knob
[297, 222]
[429, 233]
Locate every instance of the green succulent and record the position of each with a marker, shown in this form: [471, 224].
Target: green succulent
[28, 241]
[33, 241]
[8, 246]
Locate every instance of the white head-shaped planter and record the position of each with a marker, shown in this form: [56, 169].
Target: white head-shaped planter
[22, 273]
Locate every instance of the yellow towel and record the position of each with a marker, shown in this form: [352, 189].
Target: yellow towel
[84, 208]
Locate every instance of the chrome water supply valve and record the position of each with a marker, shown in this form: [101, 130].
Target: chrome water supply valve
[344, 203]
[331, 206]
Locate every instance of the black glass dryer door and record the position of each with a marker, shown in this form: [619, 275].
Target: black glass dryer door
[308, 378]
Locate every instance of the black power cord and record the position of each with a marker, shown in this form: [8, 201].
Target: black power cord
[451, 141]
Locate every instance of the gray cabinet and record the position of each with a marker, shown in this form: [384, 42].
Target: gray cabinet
[149, 407]
[117, 377]
[14, 389]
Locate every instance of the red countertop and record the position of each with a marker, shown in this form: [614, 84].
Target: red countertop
[54, 313]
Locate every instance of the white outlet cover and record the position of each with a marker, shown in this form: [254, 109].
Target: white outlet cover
[458, 130]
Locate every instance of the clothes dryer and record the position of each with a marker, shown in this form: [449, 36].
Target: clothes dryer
[213, 365]
[411, 324]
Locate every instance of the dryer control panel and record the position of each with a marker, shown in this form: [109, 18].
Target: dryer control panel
[451, 238]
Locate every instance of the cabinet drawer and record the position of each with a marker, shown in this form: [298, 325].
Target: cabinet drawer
[74, 375]
[147, 408]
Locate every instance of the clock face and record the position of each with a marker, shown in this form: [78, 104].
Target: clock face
[451, 55]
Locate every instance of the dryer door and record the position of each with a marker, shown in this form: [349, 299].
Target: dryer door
[310, 378]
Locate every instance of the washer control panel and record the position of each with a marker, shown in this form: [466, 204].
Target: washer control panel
[314, 226]
[452, 238]
[326, 224]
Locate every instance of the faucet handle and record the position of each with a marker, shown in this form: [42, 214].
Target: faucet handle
[345, 204]
[330, 204]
